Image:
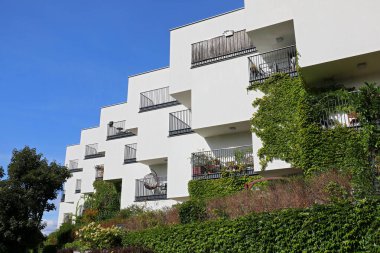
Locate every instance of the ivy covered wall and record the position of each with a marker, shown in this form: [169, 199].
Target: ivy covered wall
[289, 122]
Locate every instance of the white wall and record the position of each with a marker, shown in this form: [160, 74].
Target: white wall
[325, 30]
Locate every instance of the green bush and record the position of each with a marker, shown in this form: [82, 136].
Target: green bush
[130, 211]
[105, 201]
[93, 236]
[206, 189]
[342, 227]
[192, 211]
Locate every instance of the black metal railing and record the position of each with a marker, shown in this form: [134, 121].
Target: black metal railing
[73, 166]
[211, 164]
[180, 123]
[130, 153]
[146, 193]
[224, 47]
[156, 99]
[117, 130]
[63, 196]
[263, 65]
[99, 172]
[92, 151]
[78, 186]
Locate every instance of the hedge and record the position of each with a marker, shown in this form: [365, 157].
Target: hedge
[341, 227]
[206, 189]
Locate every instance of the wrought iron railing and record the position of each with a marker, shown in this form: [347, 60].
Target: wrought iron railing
[155, 99]
[180, 123]
[92, 151]
[130, 153]
[99, 172]
[337, 111]
[145, 193]
[224, 47]
[232, 161]
[117, 130]
[263, 65]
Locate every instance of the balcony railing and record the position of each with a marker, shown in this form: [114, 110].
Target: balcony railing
[180, 123]
[224, 47]
[73, 166]
[264, 65]
[116, 130]
[145, 192]
[78, 186]
[92, 152]
[130, 153]
[156, 99]
[211, 164]
[99, 172]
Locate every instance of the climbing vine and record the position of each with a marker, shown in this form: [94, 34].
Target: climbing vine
[304, 127]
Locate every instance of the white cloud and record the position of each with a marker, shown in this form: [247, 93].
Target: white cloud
[51, 226]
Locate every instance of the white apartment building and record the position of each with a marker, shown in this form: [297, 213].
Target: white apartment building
[198, 107]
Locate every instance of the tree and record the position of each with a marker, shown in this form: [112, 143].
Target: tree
[25, 195]
[105, 201]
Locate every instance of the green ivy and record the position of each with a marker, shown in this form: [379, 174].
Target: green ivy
[287, 121]
[213, 188]
[341, 227]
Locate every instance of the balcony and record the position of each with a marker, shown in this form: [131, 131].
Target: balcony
[78, 186]
[211, 164]
[73, 166]
[180, 123]
[262, 66]
[116, 130]
[99, 172]
[130, 151]
[156, 99]
[154, 188]
[92, 152]
[231, 44]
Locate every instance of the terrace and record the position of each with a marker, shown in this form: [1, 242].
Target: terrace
[211, 164]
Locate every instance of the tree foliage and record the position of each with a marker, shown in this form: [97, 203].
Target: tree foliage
[24, 196]
[105, 202]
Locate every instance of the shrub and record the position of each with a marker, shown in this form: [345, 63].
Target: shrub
[124, 250]
[65, 234]
[293, 193]
[206, 189]
[104, 203]
[192, 211]
[146, 219]
[93, 236]
[130, 211]
[339, 227]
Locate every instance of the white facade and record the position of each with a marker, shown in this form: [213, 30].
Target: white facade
[154, 132]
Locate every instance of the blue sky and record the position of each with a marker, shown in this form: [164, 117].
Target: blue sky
[60, 61]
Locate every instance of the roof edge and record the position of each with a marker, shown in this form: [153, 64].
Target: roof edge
[205, 19]
[106, 106]
[149, 71]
